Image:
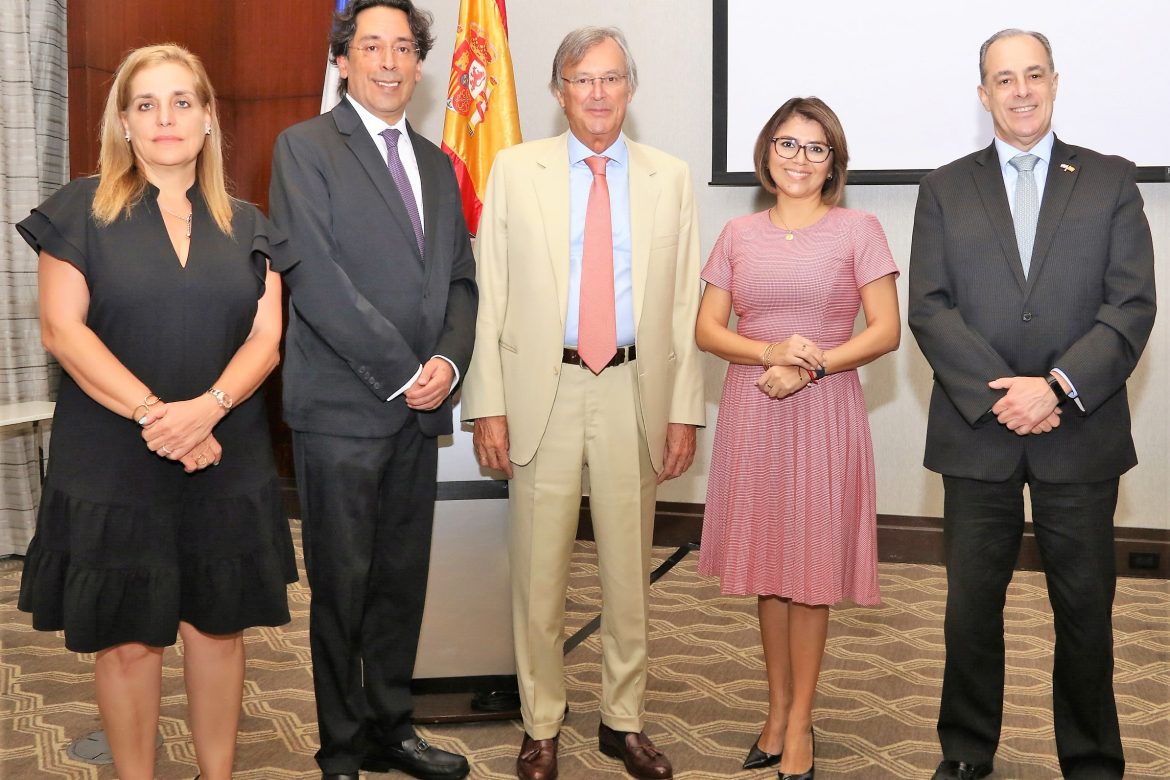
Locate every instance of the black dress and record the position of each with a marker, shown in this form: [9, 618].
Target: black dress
[127, 543]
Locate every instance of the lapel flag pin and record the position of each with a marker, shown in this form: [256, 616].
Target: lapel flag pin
[1068, 168]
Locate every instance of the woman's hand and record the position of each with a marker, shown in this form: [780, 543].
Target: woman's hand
[782, 381]
[206, 453]
[796, 350]
[176, 428]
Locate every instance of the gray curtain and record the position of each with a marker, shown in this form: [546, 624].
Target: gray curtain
[34, 163]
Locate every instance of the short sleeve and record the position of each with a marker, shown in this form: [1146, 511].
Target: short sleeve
[267, 245]
[59, 225]
[872, 258]
[717, 271]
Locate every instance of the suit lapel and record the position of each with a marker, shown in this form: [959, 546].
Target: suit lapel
[989, 181]
[552, 195]
[1057, 191]
[428, 173]
[644, 194]
[367, 153]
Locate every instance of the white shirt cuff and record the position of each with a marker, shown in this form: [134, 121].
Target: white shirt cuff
[1072, 389]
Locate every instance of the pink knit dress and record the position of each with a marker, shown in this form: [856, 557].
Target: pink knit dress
[791, 507]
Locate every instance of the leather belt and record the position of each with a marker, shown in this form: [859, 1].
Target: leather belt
[623, 355]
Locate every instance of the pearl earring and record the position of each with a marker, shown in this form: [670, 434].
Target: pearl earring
[207, 129]
[127, 136]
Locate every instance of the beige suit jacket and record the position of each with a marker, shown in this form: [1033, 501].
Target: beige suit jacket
[522, 256]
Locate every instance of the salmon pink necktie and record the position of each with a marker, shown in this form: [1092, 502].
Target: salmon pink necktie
[597, 322]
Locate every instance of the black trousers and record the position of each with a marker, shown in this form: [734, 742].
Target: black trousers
[1073, 523]
[368, 509]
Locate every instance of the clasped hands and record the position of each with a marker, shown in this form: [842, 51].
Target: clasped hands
[1028, 406]
[182, 431]
[432, 386]
[789, 361]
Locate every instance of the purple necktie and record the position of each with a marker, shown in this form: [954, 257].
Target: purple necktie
[398, 173]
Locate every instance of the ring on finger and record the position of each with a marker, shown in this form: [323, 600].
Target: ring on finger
[164, 451]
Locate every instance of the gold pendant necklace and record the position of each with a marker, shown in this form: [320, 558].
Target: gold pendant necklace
[186, 219]
[791, 233]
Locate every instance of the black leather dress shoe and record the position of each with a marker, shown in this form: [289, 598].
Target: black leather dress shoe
[758, 759]
[961, 770]
[339, 776]
[419, 759]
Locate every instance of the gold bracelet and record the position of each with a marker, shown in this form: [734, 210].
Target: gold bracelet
[150, 400]
[765, 358]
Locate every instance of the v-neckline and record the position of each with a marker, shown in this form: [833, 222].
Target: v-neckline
[176, 255]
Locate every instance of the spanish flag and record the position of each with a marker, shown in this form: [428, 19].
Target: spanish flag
[481, 117]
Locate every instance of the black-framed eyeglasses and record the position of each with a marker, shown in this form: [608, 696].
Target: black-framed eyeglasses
[402, 50]
[814, 152]
[609, 82]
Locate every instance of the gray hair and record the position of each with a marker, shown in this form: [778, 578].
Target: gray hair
[1012, 32]
[577, 44]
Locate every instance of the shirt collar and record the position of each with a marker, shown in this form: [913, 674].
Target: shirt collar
[617, 152]
[374, 125]
[1043, 150]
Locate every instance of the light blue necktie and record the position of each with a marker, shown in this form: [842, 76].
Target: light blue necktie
[1027, 210]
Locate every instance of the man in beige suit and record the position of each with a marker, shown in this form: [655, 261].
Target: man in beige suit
[546, 399]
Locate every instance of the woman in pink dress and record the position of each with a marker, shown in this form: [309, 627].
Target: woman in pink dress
[790, 511]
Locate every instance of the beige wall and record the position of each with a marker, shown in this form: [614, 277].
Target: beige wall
[671, 40]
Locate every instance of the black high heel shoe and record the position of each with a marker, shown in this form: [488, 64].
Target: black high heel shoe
[812, 770]
[758, 759]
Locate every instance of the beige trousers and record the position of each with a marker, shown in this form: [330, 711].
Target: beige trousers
[594, 423]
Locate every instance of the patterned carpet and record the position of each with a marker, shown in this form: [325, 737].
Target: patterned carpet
[875, 712]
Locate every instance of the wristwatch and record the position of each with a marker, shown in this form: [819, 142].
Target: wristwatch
[1057, 390]
[223, 399]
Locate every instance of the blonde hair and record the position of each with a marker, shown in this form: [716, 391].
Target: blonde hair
[122, 183]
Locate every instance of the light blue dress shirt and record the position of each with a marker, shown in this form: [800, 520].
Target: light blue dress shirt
[617, 175]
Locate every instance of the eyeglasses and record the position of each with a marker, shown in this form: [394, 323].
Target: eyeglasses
[377, 51]
[814, 152]
[609, 82]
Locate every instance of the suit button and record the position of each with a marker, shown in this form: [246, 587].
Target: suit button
[1027, 316]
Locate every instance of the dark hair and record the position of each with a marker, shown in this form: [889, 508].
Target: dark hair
[345, 28]
[814, 110]
[1012, 32]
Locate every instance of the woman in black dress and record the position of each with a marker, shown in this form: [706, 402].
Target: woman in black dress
[161, 511]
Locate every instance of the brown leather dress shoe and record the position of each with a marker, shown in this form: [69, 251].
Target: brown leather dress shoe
[537, 759]
[636, 751]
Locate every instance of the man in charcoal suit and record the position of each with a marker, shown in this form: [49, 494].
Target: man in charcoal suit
[382, 320]
[1032, 296]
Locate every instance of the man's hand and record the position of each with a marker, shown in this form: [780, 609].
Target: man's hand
[680, 451]
[490, 441]
[432, 386]
[1029, 405]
